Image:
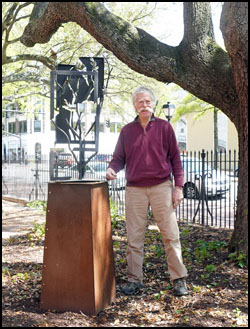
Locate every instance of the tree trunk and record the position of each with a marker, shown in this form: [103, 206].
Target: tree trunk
[239, 240]
[234, 26]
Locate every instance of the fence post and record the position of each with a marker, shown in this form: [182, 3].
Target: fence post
[202, 194]
[203, 176]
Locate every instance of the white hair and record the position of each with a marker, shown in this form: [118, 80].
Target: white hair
[143, 89]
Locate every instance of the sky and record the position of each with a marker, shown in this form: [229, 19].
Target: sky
[169, 25]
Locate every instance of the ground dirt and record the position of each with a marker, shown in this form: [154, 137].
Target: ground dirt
[217, 283]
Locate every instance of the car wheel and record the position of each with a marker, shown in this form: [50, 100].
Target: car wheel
[190, 191]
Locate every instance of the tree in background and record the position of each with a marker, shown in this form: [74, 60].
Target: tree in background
[26, 70]
[197, 64]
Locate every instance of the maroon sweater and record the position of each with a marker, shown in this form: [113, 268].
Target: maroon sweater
[150, 154]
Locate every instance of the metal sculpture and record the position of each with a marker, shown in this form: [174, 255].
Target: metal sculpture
[74, 88]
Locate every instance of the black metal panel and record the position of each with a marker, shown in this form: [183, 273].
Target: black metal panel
[100, 65]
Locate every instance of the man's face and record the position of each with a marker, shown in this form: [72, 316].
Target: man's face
[144, 105]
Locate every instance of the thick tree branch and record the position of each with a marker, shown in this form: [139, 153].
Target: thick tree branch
[28, 77]
[198, 26]
[29, 57]
[9, 20]
[17, 96]
[200, 66]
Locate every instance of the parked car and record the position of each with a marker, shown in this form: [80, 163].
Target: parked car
[216, 182]
[63, 160]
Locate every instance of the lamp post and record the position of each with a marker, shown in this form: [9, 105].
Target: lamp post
[168, 110]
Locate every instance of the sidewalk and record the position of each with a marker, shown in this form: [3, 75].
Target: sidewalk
[18, 219]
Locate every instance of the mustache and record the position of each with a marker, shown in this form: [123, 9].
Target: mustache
[145, 109]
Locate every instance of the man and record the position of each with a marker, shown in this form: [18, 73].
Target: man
[148, 148]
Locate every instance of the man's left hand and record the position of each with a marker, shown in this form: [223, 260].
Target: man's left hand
[177, 196]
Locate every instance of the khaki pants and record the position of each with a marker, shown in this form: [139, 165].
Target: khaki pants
[160, 199]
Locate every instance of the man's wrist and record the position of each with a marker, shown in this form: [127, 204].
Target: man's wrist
[179, 187]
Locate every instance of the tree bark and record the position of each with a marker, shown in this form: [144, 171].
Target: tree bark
[234, 26]
[197, 64]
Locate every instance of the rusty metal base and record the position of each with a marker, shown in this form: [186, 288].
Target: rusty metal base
[78, 266]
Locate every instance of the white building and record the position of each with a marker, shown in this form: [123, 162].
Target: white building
[22, 130]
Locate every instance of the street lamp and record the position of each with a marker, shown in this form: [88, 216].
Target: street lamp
[168, 110]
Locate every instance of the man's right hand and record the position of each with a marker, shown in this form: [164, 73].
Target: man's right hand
[110, 174]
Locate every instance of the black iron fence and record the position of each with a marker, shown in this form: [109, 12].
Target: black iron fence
[210, 183]
[210, 188]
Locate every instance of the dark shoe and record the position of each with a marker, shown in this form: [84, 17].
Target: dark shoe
[131, 288]
[180, 287]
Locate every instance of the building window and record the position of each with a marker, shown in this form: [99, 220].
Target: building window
[12, 127]
[37, 126]
[22, 127]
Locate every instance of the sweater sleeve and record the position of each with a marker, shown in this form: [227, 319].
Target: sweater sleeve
[119, 158]
[175, 159]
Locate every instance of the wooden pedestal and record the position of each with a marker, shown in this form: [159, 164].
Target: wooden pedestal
[78, 266]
